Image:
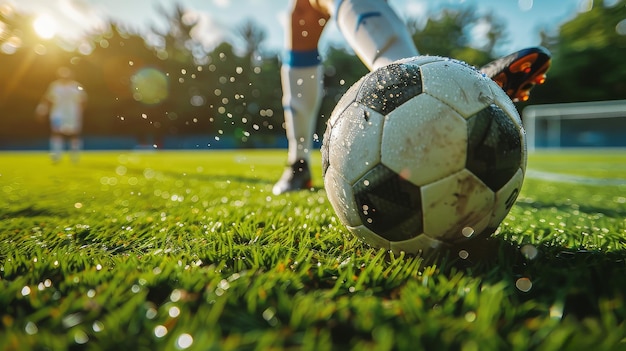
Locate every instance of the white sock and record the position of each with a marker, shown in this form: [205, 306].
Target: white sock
[56, 147]
[76, 145]
[302, 96]
[375, 32]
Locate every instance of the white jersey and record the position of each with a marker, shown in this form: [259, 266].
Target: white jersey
[66, 110]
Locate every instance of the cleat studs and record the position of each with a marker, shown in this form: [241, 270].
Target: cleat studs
[541, 79]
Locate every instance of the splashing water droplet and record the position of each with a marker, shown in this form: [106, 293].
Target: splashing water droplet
[463, 254]
[467, 232]
[524, 284]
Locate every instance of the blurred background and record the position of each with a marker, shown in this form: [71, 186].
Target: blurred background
[205, 74]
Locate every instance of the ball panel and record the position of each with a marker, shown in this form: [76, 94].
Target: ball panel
[369, 237]
[325, 149]
[454, 203]
[424, 140]
[494, 151]
[457, 85]
[388, 204]
[355, 141]
[505, 198]
[340, 195]
[420, 245]
[348, 98]
[505, 103]
[389, 87]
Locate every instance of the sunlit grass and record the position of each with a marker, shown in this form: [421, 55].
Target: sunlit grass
[190, 250]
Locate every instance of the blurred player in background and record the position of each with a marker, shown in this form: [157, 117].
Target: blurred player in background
[63, 104]
[379, 37]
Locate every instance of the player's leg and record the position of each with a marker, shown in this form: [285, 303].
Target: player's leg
[520, 71]
[301, 78]
[76, 145]
[56, 146]
[373, 30]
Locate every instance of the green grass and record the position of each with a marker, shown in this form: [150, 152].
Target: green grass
[190, 250]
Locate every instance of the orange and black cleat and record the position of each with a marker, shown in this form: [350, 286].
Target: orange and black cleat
[520, 71]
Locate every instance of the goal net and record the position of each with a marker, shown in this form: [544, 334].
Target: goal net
[576, 125]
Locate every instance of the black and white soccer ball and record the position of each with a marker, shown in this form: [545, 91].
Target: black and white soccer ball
[422, 154]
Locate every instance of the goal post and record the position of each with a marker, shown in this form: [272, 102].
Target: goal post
[578, 124]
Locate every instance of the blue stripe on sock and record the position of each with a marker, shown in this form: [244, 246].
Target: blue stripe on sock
[362, 17]
[302, 58]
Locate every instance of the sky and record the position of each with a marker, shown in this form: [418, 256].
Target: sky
[217, 18]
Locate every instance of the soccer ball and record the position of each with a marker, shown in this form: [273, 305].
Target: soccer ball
[422, 154]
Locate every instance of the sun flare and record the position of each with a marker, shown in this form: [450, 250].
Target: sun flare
[45, 26]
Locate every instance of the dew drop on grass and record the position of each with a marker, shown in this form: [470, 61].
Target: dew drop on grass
[270, 316]
[176, 295]
[72, 320]
[151, 312]
[160, 331]
[556, 311]
[184, 341]
[529, 251]
[223, 284]
[97, 326]
[470, 316]
[80, 337]
[31, 328]
[174, 312]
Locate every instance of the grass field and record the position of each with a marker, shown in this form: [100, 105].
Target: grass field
[191, 251]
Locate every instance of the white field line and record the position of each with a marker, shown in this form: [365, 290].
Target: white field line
[571, 178]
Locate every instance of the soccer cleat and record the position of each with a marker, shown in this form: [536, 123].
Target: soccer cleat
[519, 72]
[296, 177]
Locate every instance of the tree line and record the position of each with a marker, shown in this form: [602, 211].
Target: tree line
[177, 88]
